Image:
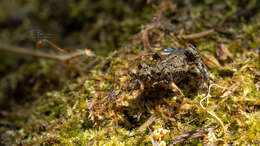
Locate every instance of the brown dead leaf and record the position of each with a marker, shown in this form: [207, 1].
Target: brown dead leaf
[223, 53]
[210, 61]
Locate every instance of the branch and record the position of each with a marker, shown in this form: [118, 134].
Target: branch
[27, 52]
[198, 35]
[188, 136]
[147, 123]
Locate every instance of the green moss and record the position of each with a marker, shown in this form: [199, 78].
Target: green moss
[71, 113]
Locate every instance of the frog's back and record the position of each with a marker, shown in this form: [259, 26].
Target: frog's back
[166, 66]
[174, 67]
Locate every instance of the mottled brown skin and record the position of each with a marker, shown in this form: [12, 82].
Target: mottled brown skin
[163, 70]
[170, 66]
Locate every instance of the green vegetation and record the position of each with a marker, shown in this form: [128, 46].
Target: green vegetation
[48, 103]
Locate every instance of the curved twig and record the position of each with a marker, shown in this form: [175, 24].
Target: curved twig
[198, 35]
[28, 52]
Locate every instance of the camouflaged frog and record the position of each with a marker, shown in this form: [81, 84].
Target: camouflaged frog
[168, 67]
[163, 70]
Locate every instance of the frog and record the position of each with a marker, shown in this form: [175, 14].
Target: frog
[168, 67]
[163, 70]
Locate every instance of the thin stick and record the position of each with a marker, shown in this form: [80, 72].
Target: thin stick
[188, 136]
[211, 113]
[40, 42]
[70, 56]
[147, 123]
[145, 40]
[198, 35]
[24, 51]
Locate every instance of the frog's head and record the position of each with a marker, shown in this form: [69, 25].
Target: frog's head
[192, 54]
[193, 57]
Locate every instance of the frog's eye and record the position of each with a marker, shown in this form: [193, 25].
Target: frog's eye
[167, 51]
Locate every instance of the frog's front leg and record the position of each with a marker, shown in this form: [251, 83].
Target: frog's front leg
[179, 100]
[135, 84]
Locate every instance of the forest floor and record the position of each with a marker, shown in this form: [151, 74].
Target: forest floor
[90, 99]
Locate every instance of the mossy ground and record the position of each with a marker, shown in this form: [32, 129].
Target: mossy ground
[51, 103]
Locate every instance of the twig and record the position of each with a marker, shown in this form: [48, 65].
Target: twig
[147, 123]
[24, 51]
[40, 42]
[198, 35]
[188, 136]
[145, 39]
[162, 24]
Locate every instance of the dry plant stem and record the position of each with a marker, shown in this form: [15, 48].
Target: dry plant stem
[74, 55]
[198, 35]
[147, 123]
[145, 39]
[24, 51]
[39, 43]
[70, 56]
[211, 113]
[188, 136]
[157, 23]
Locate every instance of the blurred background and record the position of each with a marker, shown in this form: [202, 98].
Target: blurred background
[101, 26]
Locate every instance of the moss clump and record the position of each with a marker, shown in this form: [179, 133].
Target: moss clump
[73, 115]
